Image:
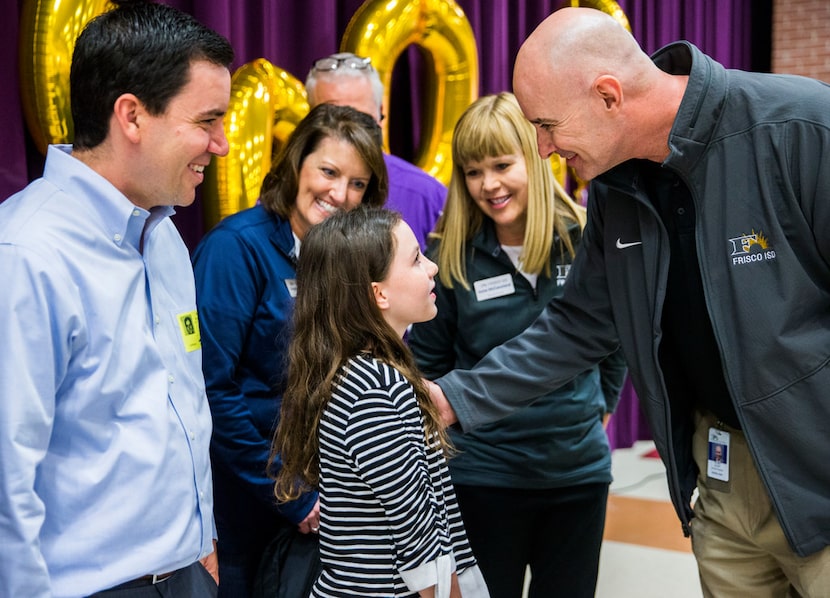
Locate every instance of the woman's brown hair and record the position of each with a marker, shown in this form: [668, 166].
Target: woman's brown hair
[279, 190]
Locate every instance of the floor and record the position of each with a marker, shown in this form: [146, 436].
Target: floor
[645, 554]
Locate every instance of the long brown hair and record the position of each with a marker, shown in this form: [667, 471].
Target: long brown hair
[335, 318]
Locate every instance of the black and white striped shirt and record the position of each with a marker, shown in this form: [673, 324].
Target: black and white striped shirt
[389, 520]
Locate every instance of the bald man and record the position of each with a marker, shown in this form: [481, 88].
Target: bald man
[346, 79]
[707, 258]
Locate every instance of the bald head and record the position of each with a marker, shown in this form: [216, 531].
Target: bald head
[575, 45]
[593, 95]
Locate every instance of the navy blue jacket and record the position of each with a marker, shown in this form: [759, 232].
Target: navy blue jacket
[244, 291]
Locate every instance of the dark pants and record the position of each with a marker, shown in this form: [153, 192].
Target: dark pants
[237, 571]
[191, 582]
[557, 532]
[246, 525]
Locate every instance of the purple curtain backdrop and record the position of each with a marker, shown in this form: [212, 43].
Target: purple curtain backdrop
[291, 34]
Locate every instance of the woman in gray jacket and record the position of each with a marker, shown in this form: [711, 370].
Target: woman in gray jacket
[533, 486]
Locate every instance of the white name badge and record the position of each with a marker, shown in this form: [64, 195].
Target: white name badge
[718, 459]
[490, 288]
[291, 285]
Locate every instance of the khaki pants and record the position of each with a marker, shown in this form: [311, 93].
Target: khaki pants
[739, 545]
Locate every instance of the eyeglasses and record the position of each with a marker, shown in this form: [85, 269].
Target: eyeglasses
[332, 63]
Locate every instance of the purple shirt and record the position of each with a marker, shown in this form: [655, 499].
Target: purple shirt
[416, 195]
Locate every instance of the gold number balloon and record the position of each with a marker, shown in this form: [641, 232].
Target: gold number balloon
[266, 101]
[265, 106]
[383, 29]
[607, 6]
[48, 30]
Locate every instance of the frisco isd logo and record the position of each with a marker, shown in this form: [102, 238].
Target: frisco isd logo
[754, 247]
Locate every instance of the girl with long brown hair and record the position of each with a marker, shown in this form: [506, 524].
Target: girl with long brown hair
[356, 419]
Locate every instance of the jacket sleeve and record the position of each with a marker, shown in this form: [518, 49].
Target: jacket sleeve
[228, 289]
[573, 333]
[612, 371]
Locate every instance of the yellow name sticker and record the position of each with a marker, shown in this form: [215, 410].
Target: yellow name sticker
[189, 326]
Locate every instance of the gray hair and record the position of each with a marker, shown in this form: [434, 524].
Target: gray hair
[314, 75]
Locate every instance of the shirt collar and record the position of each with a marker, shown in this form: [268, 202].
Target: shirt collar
[116, 214]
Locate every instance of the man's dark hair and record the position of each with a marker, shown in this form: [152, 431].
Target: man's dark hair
[141, 48]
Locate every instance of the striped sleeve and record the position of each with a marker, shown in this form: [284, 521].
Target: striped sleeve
[384, 439]
[384, 493]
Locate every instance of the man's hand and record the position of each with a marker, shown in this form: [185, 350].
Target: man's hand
[311, 523]
[440, 400]
[211, 563]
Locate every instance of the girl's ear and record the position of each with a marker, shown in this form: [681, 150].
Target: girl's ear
[380, 295]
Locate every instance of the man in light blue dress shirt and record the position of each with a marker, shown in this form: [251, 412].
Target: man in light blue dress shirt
[105, 480]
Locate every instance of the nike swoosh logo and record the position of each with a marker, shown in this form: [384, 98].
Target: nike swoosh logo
[621, 245]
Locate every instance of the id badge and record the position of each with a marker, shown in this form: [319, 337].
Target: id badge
[717, 467]
[291, 286]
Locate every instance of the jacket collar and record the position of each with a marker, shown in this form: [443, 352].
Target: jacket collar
[696, 123]
[282, 237]
[485, 238]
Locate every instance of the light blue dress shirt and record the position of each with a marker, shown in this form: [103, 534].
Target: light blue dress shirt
[104, 422]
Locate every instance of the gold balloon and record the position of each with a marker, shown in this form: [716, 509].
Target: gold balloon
[266, 105]
[382, 30]
[559, 168]
[48, 30]
[606, 6]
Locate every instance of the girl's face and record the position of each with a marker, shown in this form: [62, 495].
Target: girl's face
[405, 297]
[332, 177]
[498, 185]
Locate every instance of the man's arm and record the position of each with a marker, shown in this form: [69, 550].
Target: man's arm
[440, 400]
[32, 363]
[612, 372]
[573, 333]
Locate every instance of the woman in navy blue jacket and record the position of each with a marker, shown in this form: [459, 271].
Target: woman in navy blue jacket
[532, 487]
[245, 287]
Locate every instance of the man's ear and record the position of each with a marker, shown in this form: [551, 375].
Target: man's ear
[608, 88]
[128, 112]
[380, 295]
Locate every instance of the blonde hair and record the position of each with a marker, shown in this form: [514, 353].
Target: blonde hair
[495, 126]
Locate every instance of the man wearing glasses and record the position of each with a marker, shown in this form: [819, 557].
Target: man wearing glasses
[349, 80]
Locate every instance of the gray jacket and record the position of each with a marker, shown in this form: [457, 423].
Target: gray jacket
[751, 148]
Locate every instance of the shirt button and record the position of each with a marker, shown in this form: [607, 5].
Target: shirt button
[136, 212]
[157, 320]
[116, 237]
[170, 379]
[681, 211]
